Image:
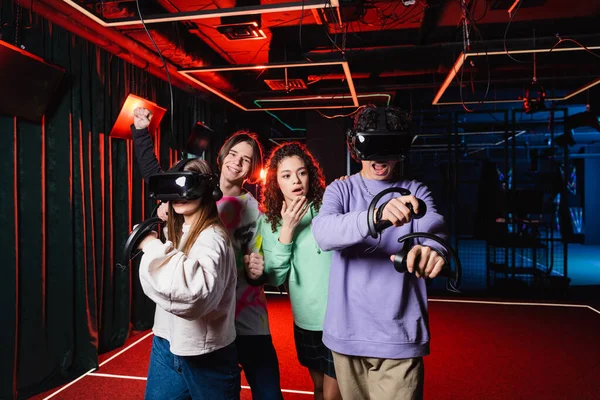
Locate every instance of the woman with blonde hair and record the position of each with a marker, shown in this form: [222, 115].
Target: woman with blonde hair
[239, 161]
[192, 279]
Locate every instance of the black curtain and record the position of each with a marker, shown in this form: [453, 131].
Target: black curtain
[326, 139]
[70, 195]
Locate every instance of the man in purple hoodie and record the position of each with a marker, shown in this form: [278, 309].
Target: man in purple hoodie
[376, 321]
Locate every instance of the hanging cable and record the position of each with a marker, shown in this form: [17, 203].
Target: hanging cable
[512, 16]
[137, 3]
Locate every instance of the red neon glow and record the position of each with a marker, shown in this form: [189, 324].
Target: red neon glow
[263, 175]
[121, 128]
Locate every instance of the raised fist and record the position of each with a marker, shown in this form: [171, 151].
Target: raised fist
[141, 118]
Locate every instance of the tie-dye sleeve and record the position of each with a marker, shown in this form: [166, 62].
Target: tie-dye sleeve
[256, 241]
[254, 220]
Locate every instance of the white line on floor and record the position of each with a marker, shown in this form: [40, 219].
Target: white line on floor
[143, 378]
[137, 378]
[504, 303]
[515, 303]
[69, 384]
[125, 349]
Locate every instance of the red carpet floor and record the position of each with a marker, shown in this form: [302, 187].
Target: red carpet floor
[479, 351]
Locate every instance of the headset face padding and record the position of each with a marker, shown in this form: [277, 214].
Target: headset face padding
[177, 184]
[377, 143]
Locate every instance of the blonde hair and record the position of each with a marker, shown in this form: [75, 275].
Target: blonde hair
[208, 213]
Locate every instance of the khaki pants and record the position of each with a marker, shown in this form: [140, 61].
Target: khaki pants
[364, 378]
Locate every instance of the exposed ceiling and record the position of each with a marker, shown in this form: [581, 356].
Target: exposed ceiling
[319, 54]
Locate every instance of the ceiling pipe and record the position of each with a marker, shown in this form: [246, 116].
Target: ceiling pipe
[490, 45]
[57, 9]
[415, 72]
[384, 74]
[195, 30]
[338, 77]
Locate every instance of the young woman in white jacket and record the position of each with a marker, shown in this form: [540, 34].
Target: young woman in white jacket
[192, 279]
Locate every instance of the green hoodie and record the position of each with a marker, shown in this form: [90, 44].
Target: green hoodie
[306, 266]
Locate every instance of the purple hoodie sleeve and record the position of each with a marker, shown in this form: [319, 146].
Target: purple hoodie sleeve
[332, 228]
[432, 222]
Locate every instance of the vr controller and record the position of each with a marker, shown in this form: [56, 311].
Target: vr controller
[138, 233]
[376, 228]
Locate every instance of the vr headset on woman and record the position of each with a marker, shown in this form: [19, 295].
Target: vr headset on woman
[177, 184]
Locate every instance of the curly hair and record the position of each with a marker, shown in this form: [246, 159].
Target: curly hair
[271, 195]
[368, 119]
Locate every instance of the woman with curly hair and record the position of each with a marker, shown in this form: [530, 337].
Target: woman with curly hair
[291, 198]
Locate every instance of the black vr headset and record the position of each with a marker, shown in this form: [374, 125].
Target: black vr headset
[386, 138]
[177, 184]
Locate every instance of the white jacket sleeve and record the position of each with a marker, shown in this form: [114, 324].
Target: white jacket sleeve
[186, 286]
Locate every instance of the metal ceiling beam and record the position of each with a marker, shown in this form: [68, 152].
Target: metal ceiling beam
[462, 58]
[188, 73]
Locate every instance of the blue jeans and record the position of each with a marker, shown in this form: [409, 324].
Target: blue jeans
[209, 376]
[258, 359]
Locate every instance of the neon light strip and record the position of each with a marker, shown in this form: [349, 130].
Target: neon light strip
[458, 103]
[350, 83]
[510, 10]
[247, 67]
[341, 96]
[344, 65]
[301, 108]
[457, 65]
[582, 89]
[87, 13]
[389, 99]
[462, 57]
[531, 51]
[279, 119]
[214, 91]
[203, 14]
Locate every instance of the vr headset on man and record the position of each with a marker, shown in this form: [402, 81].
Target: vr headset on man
[383, 134]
